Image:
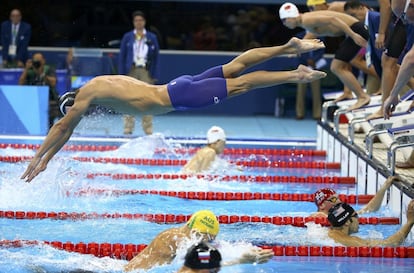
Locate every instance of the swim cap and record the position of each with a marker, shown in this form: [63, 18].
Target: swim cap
[214, 134]
[339, 214]
[67, 100]
[202, 256]
[204, 221]
[315, 2]
[288, 10]
[322, 195]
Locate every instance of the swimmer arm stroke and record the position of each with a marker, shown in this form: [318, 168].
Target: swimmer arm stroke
[375, 203]
[161, 250]
[255, 255]
[394, 240]
[201, 161]
[58, 135]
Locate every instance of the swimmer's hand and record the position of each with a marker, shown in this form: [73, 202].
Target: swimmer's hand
[36, 166]
[255, 255]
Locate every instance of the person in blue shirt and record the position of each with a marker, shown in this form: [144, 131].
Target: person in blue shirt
[138, 58]
[15, 38]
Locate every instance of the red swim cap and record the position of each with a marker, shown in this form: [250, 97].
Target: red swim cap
[322, 195]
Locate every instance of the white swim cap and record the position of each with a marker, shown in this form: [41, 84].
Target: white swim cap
[214, 134]
[288, 10]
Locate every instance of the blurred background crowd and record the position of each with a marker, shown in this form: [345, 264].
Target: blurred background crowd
[179, 25]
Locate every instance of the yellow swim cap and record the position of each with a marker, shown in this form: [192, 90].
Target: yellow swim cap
[315, 2]
[204, 221]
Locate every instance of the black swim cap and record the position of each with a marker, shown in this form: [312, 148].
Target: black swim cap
[68, 99]
[339, 214]
[202, 256]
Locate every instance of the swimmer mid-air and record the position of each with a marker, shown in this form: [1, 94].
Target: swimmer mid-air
[130, 96]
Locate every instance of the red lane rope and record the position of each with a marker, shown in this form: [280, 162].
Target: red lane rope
[130, 250]
[227, 151]
[182, 162]
[161, 218]
[239, 178]
[225, 196]
[249, 151]
[92, 148]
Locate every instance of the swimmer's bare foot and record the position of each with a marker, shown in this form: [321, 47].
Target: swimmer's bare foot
[360, 102]
[375, 115]
[307, 74]
[377, 93]
[344, 96]
[408, 163]
[305, 45]
[404, 165]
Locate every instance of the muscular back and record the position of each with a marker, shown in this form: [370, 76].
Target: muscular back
[125, 95]
[326, 23]
[337, 6]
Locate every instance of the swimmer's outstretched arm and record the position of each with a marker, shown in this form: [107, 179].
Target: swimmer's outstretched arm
[58, 135]
[255, 255]
[375, 203]
[160, 251]
[395, 239]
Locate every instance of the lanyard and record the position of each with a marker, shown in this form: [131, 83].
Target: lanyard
[403, 16]
[14, 34]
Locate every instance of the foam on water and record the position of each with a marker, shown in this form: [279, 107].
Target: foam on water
[53, 190]
[43, 258]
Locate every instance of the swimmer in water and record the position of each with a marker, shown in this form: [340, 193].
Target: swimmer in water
[326, 198]
[204, 224]
[341, 216]
[130, 96]
[201, 258]
[201, 161]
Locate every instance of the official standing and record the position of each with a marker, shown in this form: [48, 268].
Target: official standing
[138, 58]
[15, 38]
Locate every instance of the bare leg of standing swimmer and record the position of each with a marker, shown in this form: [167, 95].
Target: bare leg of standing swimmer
[347, 94]
[341, 70]
[389, 71]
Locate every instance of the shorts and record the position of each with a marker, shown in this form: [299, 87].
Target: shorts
[397, 40]
[190, 92]
[348, 49]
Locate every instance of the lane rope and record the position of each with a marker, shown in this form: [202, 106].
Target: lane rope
[130, 250]
[227, 178]
[161, 218]
[182, 162]
[191, 150]
[219, 196]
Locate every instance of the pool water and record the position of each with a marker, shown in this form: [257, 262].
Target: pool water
[58, 188]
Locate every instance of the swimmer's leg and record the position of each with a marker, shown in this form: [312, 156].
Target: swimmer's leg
[258, 55]
[341, 70]
[146, 123]
[214, 72]
[261, 79]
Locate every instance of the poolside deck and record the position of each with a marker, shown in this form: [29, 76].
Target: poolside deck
[380, 154]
